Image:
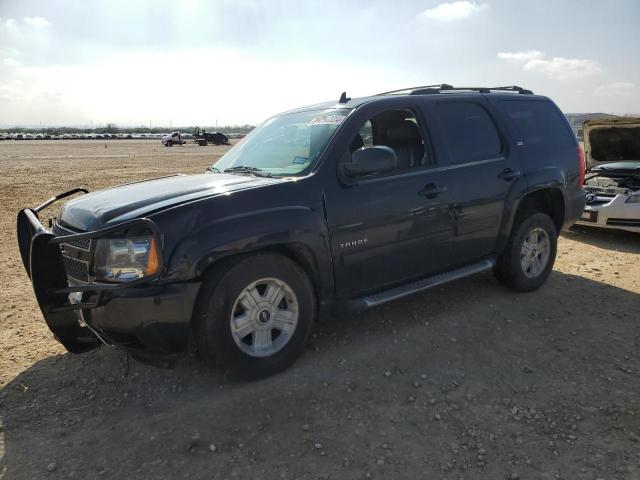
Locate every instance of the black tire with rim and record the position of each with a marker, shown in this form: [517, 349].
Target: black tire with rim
[254, 315]
[528, 257]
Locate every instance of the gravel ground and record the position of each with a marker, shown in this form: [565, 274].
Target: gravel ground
[465, 381]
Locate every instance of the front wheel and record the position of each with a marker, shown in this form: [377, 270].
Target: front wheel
[255, 315]
[528, 257]
[169, 143]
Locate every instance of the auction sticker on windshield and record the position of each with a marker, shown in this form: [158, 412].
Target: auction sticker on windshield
[330, 119]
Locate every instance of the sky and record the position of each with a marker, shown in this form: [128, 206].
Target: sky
[198, 62]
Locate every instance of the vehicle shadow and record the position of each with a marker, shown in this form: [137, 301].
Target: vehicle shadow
[618, 240]
[385, 392]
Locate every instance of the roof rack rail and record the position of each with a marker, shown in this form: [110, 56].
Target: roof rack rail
[439, 86]
[430, 89]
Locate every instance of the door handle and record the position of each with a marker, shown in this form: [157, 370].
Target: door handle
[508, 174]
[432, 190]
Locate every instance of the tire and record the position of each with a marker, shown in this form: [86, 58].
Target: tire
[254, 348]
[525, 262]
[169, 143]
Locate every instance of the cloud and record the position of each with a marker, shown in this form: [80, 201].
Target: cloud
[617, 89]
[125, 88]
[454, 11]
[10, 23]
[11, 62]
[527, 55]
[556, 68]
[37, 22]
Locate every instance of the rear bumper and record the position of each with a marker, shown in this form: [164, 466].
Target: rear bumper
[574, 207]
[144, 316]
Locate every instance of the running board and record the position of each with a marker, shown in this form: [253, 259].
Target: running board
[419, 285]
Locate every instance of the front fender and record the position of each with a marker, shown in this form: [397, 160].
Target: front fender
[298, 227]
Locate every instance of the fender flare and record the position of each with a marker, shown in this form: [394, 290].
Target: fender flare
[519, 192]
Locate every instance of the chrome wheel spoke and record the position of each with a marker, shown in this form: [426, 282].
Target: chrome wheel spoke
[539, 265]
[248, 300]
[536, 237]
[284, 320]
[242, 326]
[262, 339]
[274, 294]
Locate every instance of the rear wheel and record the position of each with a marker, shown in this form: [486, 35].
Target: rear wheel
[528, 257]
[254, 315]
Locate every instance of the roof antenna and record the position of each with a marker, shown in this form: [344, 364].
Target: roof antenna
[344, 98]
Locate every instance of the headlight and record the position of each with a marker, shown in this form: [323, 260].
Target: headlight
[633, 199]
[126, 259]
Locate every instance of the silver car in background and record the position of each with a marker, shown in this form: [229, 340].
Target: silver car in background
[612, 183]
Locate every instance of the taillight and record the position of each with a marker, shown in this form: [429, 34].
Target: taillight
[581, 167]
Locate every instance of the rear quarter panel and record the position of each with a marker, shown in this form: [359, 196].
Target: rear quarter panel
[545, 166]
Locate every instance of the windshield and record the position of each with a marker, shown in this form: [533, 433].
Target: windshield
[284, 145]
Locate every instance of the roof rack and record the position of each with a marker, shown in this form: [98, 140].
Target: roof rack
[443, 88]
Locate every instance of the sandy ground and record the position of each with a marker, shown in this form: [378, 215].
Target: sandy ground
[465, 381]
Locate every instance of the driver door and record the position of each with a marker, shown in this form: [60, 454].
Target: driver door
[394, 227]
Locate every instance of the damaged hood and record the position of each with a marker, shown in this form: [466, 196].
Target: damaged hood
[115, 205]
[611, 139]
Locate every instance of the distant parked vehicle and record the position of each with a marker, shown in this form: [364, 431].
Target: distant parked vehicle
[174, 138]
[203, 138]
[46, 136]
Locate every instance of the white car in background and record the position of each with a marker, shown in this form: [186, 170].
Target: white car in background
[174, 138]
[612, 182]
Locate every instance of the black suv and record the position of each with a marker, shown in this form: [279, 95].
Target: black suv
[340, 205]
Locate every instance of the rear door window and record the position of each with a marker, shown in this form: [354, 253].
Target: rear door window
[469, 131]
[538, 123]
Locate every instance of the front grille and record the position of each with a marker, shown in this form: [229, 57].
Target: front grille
[60, 231]
[624, 222]
[598, 199]
[77, 269]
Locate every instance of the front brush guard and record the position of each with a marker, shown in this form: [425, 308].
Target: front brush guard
[42, 259]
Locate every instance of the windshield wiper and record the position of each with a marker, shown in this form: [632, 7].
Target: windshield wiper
[213, 169]
[252, 170]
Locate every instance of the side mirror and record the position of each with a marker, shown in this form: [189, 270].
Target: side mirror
[369, 160]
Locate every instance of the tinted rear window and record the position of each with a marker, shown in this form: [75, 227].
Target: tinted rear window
[538, 123]
[469, 132]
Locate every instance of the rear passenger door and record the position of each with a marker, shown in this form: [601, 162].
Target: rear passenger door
[483, 168]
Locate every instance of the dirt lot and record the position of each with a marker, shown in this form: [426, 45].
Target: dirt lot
[465, 381]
